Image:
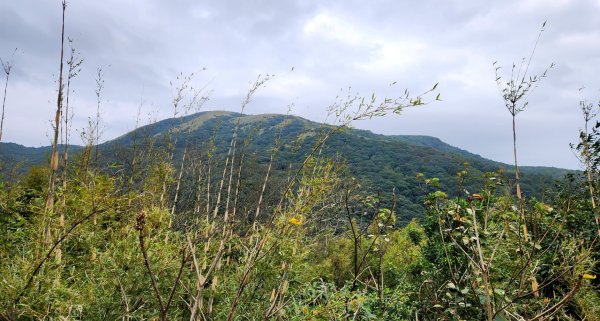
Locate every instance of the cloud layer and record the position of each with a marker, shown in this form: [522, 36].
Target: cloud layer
[143, 46]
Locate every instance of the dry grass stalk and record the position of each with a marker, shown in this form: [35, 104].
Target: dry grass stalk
[49, 206]
[7, 68]
[515, 93]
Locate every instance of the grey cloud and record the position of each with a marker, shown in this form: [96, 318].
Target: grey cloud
[144, 45]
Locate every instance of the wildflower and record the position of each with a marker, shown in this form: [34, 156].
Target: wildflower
[295, 221]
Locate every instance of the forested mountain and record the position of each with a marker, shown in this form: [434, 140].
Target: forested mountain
[381, 163]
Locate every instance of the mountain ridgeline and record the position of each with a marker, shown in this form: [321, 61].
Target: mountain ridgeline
[381, 164]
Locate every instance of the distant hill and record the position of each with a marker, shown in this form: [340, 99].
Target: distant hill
[436, 143]
[381, 163]
[15, 157]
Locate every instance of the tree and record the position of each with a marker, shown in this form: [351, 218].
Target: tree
[515, 92]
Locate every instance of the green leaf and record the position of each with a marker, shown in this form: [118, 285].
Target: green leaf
[465, 240]
[440, 194]
[482, 298]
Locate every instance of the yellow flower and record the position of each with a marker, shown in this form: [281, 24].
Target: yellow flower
[295, 221]
[477, 197]
[589, 276]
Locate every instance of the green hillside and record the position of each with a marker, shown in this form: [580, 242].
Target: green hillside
[381, 163]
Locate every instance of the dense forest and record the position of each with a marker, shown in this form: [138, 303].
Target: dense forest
[230, 216]
[381, 163]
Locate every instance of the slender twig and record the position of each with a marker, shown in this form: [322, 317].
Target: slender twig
[7, 67]
[49, 206]
[152, 277]
[174, 288]
[49, 253]
[553, 309]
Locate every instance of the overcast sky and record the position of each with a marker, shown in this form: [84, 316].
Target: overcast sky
[142, 46]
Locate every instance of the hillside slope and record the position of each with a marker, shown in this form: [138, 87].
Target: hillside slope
[381, 163]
